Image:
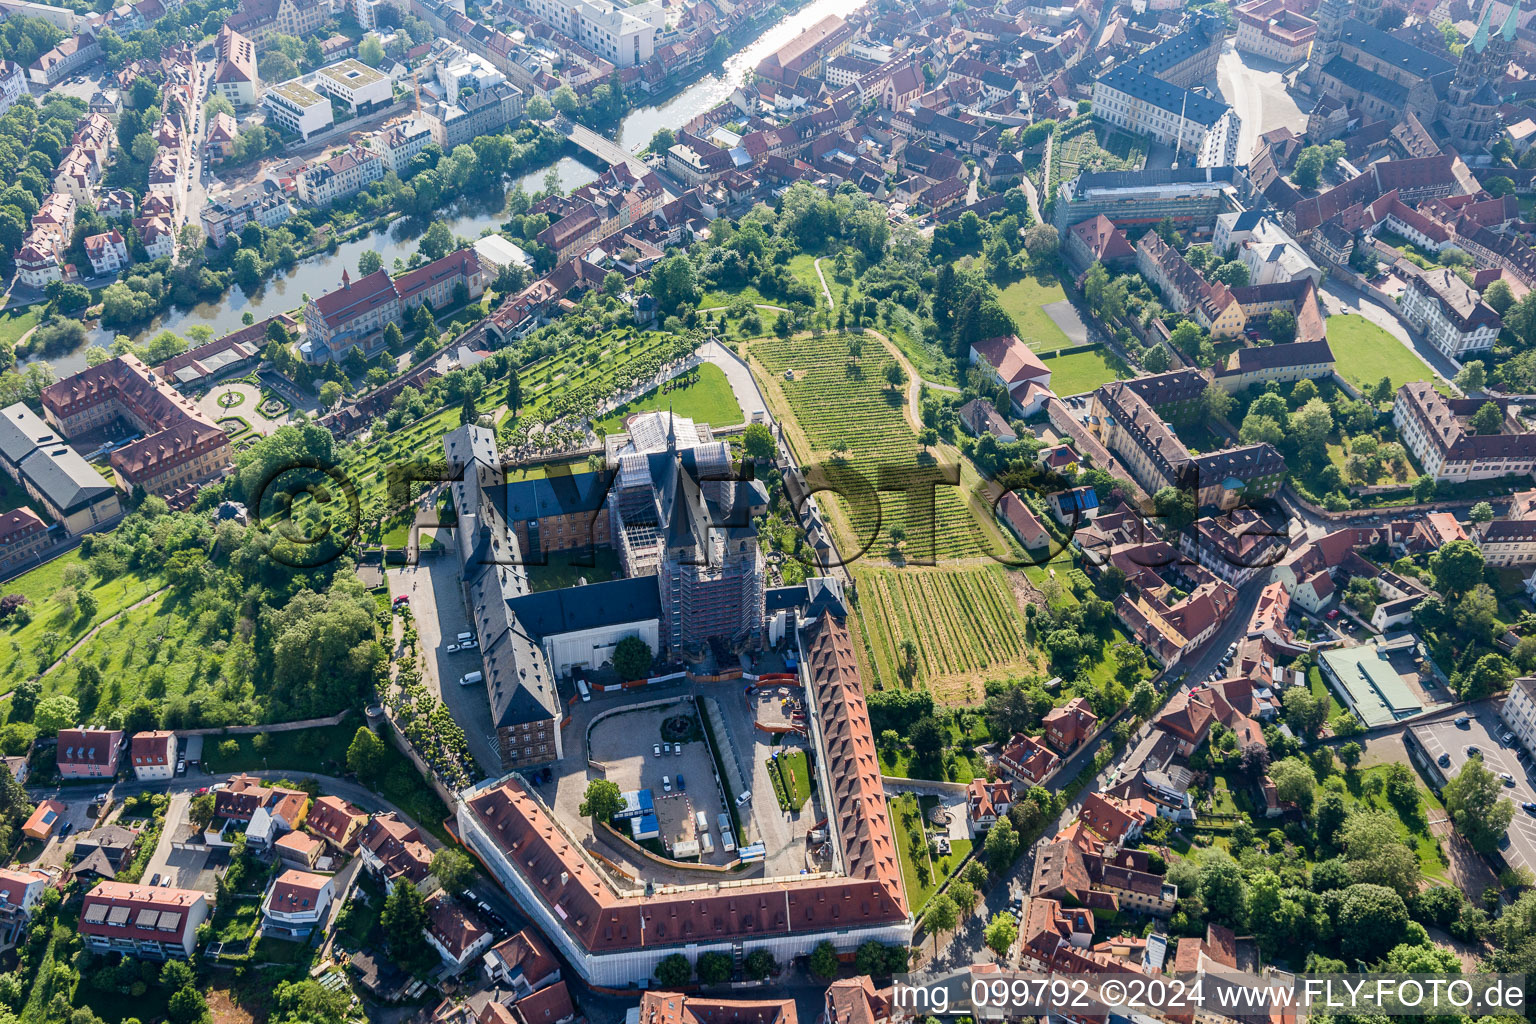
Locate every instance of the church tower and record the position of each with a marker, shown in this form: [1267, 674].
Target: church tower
[1331, 15]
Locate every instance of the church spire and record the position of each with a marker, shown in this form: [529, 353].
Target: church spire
[671, 429]
[1480, 37]
[1510, 22]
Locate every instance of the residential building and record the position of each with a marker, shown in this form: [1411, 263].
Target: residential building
[1028, 760]
[64, 60]
[295, 904]
[1263, 247]
[979, 416]
[338, 177]
[393, 850]
[678, 1008]
[1450, 312]
[261, 19]
[624, 35]
[1074, 506]
[107, 252]
[235, 76]
[1299, 360]
[181, 446]
[23, 536]
[219, 140]
[457, 934]
[138, 920]
[1076, 866]
[1012, 363]
[1097, 240]
[53, 474]
[1519, 712]
[987, 801]
[298, 850]
[44, 820]
[1510, 539]
[89, 753]
[1435, 429]
[1275, 29]
[1069, 725]
[355, 84]
[523, 963]
[263, 813]
[1023, 522]
[103, 852]
[848, 1001]
[1184, 288]
[225, 214]
[13, 84]
[20, 889]
[336, 821]
[294, 107]
[153, 755]
[397, 143]
[484, 111]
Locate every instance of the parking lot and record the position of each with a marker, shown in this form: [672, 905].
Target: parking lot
[1447, 744]
[635, 755]
[437, 603]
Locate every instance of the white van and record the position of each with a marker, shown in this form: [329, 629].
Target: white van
[706, 842]
[701, 821]
[726, 842]
[464, 637]
[581, 688]
[471, 678]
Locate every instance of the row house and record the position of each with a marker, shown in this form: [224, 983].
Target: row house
[224, 215]
[337, 822]
[1184, 288]
[343, 175]
[151, 923]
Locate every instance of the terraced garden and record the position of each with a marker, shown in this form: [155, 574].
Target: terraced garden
[963, 624]
[852, 424]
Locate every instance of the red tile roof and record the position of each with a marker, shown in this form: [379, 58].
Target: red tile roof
[130, 911]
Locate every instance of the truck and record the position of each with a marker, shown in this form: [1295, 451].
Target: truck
[583, 689]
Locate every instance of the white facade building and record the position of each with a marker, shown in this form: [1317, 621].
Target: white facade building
[356, 84]
[1450, 312]
[295, 107]
[624, 35]
[1519, 712]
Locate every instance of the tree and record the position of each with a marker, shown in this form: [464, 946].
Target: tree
[1282, 326]
[1475, 801]
[1499, 296]
[1143, 698]
[1156, 360]
[1487, 420]
[673, 970]
[1499, 186]
[330, 394]
[369, 262]
[1457, 567]
[200, 810]
[823, 961]
[1175, 506]
[186, 1006]
[1042, 241]
[1294, 782]
[1001, 933]
[895, 376]
[632, 658]
[370, 51]
[1372, 919]
[453, 868]
[1002, 845]
[1349, 753]
[539, 109]
[1472, 376]
[757, 441]
[437, 242]
[964, 895]
[367, 756]
[602, 800]
[404, 923]
[760, 964]
[55, 712]
[714, 968]
[941, 915]
[1312, 423]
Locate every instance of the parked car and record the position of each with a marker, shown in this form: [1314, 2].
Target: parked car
[154, 880]
[1463, 721]
[741, 800]
[1445, 760]
[1473, 751]
[677, 748]
[682, 787]
[1529, 808]
[1509, 780]
[453, 648]
[656, 750]
[666, 783]
[1506, 736]
[181, 766]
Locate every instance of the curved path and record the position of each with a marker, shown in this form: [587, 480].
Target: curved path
[91, 633]
[824, 289]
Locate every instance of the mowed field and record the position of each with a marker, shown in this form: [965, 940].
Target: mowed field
[1023, 299]
[1078, 372]
[964, 624]
[708, 399]
[1364, 353]
[851, 423]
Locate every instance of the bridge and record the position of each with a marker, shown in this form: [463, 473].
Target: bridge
[606, 150]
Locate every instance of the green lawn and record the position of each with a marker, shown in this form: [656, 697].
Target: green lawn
[1083, 371]
[1365, 353]
[1023, 299]
[323, 751]
[1432, 860]
[791, 775]
[916, 865]
[16, 322]
[708, 399]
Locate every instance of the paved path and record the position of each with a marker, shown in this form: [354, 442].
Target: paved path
[824, 289]
[141, 602]
[743, 384]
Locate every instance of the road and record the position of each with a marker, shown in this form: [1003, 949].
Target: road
[1255, 90]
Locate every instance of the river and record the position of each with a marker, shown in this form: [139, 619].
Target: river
[322, 272]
